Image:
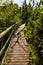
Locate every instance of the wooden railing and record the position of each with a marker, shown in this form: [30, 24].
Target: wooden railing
[5, 38]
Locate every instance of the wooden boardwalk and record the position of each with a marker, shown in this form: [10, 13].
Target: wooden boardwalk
[17, 53]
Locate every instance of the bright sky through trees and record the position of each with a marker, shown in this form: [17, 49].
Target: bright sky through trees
[19, 2]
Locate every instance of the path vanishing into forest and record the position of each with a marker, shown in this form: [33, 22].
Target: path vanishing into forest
[17, 52]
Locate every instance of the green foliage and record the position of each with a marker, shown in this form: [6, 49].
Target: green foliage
[33, 17]
[24, 13]
[41, 1]
[34, 34]
[9, 14]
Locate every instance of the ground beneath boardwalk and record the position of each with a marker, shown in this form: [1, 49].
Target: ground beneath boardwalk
[18, 53]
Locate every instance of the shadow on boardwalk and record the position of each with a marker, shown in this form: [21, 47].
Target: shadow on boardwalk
[18, 52]
[17, 41]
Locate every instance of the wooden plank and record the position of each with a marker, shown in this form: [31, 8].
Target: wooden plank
[6, 51]
[3, 34]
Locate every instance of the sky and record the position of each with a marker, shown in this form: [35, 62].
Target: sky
[19, 2]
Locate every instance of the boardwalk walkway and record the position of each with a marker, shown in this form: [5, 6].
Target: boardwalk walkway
[17, 53]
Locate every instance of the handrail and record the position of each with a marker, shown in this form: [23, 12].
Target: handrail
[7, 30]
[4, 46]
[3, 34]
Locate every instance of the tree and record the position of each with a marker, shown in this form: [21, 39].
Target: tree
[34, 35]
[41, 2]
[24, 13]
[9, 14]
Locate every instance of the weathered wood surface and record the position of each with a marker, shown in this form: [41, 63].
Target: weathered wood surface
[18, 53]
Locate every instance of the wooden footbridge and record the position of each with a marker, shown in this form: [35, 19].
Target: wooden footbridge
[14, 51]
